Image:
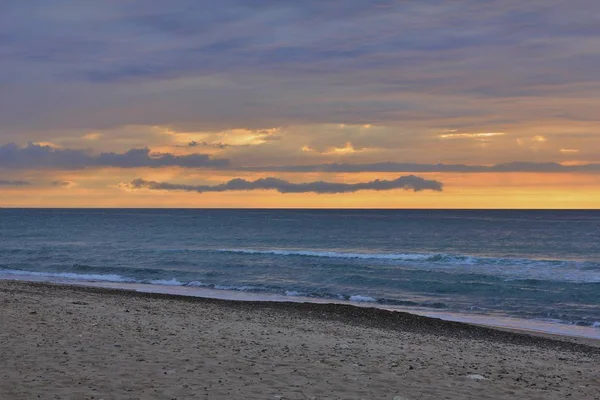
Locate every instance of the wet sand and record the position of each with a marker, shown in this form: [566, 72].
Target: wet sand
[68, 342]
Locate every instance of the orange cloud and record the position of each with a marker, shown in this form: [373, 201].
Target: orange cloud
[569, 151]
[470, 135]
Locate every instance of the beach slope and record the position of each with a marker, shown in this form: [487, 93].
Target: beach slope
[68, 342]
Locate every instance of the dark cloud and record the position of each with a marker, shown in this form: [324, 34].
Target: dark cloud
[34, 156]
[414, 167]
[410, 182]
[38, 157]
[14, 183]
[218, 145]
[61, 183]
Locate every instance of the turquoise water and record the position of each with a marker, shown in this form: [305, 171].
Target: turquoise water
[529, 265]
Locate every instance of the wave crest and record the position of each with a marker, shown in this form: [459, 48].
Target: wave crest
[432, 257]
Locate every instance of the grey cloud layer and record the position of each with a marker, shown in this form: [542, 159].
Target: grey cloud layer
[268, 63]
[410, 182]
[38, 157]
[13, 183]
[34, 156]
[413, 167]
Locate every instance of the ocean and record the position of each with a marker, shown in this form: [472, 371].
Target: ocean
[536, 269]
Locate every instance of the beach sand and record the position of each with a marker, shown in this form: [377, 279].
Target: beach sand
[67, 342]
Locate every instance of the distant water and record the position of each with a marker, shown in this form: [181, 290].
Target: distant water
[522, 265]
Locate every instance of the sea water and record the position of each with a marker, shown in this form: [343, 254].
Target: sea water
[525, 267]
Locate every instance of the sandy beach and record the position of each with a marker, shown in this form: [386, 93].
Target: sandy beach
[67, 342]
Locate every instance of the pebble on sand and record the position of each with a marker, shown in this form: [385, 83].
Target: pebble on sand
[477, 377]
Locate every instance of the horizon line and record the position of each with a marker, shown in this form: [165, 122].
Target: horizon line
[299, 208]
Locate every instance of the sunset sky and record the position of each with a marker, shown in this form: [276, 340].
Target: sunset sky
[354, 103]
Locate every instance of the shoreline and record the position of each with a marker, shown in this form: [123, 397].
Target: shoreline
[356, 314]
[574, 333]
[67, 341]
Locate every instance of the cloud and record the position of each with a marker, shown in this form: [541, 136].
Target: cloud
[409, 182]
[35, 156]
[61, 183]
[470, 135]
[45, 157]
[348, 148]
[569, 151]
[14, 183]
[206, 64]
[92, 136]
[415, 167]
[218, 145]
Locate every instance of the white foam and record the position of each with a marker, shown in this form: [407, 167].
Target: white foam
[196, 284]
[362, 299]
[166, 282]
[293, 293]
[68, 275]
[238, 288]
[332, 254]
[507, 268]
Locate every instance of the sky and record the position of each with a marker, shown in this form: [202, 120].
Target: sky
[285, 103]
